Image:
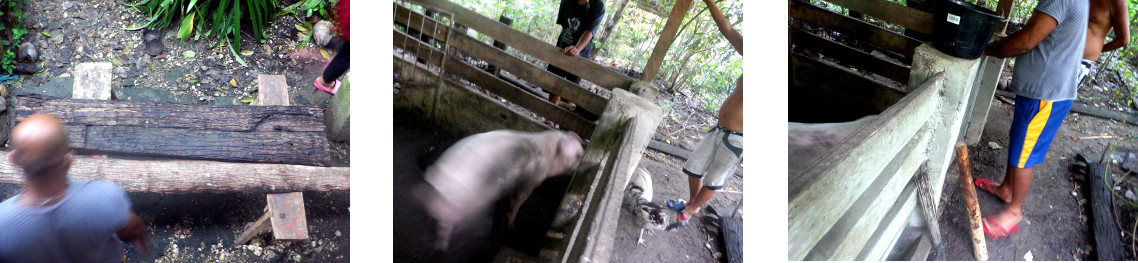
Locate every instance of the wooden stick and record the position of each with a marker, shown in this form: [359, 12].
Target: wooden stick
[980, 250]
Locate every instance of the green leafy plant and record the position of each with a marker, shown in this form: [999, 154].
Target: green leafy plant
[310, 7]
[12, 32]
[218, 19]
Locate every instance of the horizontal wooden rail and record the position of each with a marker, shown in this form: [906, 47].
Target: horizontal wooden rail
[904, 16]
[520, 68]
[824, 192]
[854, 28]
[579, 66]
[498, 86]
[180, 176]
[889, 69]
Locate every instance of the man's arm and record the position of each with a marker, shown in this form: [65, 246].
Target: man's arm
[576, 49]
[1038, 27]
[135, 232]
[1120, 21]
[725, 28]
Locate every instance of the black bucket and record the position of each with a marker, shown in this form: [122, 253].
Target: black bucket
[963, 29]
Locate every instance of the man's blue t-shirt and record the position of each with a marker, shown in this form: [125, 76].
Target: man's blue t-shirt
[79, 228]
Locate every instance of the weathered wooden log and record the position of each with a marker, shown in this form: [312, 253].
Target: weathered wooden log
[980, 249]
[179, 176]
[268, 134]
[1108, 240]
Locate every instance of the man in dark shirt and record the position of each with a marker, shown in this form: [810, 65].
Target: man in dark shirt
[579, 19]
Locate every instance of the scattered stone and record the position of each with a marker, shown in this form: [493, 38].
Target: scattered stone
[149, 94]
[67, 5]
[128, 83]
[57, 38]
[994, 145]
[154, 48]
[337, 232]
[1130, 195]
[28, 53]
[58, 87]
[322, 32]
[26, 68]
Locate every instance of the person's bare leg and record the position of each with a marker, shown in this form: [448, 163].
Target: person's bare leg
[694, 184]
[1004, 189]
[1013, 213]
[700, 198]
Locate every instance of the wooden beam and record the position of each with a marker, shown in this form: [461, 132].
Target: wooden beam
[252, 229]
[268, 134]
[579, 66]
[906, 17]
[1108, 245]
[499, 87]
[288, 221]
[182, 176]
[1004, 8]
[667, 36]
[830, 88]
[816, 204]
[520, 68]
[979, 248]
[892, 70]
[854, 28]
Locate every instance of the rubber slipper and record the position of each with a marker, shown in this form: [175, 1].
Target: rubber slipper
[678, 206]
[1004, 232]
[335, 87]
[984, 183]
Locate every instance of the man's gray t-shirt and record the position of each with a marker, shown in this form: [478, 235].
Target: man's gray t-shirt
[79, 228]
[1050, 72]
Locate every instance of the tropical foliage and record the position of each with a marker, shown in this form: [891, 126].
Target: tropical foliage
[218, 19]
[12, 32]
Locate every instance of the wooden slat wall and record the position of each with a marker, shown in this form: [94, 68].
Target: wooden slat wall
[522, 69]
[906, 17]
[846, 54]
[854, 28]
[499, 87]
[579, 66]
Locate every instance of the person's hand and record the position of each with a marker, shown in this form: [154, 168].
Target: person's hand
[572, 51]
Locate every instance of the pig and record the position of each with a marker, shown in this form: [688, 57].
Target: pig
[476, 171]
[809, 141]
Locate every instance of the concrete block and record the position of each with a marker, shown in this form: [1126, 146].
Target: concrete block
[338, 114]
[92, 81]
[960, 76]
[271, 90]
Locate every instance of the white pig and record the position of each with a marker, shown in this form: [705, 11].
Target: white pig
[478, 170]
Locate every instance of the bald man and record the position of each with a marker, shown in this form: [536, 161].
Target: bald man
[57, 220]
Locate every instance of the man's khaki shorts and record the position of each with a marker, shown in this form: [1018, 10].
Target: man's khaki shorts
[716, 157]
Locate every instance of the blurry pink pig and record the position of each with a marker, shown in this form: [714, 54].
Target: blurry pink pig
[478, 170]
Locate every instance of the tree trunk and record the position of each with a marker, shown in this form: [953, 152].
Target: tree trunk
[610, 26]
[267, 134]
[178, 176]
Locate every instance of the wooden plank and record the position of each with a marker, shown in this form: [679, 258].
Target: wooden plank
[530, 73]
[272, 90]
[906, 17]
[253, 229]
[499, 87]
[979, 248]
[306, 148]
[183, 176]
[240, 118]
[667, 36]
[579, 66]
[928, 204]
[288, 220]
[816, 203]
[1108, 240]
[854, 28]
[836, 94]
[732, 231]
[850, 234]
[892, 70]
[1004, 8]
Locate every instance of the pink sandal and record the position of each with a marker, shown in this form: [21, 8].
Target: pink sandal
[334, 87]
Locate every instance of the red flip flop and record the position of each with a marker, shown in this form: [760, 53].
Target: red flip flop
[983, 184]
[1004, 232]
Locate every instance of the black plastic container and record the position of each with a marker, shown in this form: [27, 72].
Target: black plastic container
[963, 29]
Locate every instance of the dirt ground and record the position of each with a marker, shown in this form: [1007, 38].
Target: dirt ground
[191, 227]
[1055, 225]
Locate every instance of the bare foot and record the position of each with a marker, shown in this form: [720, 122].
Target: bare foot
[996, 189]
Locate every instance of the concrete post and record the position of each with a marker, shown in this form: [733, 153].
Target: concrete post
[338, 114]
[960, 76]
[993, 68]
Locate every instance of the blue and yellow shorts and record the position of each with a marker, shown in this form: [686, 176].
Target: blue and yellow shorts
[1034, 125]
